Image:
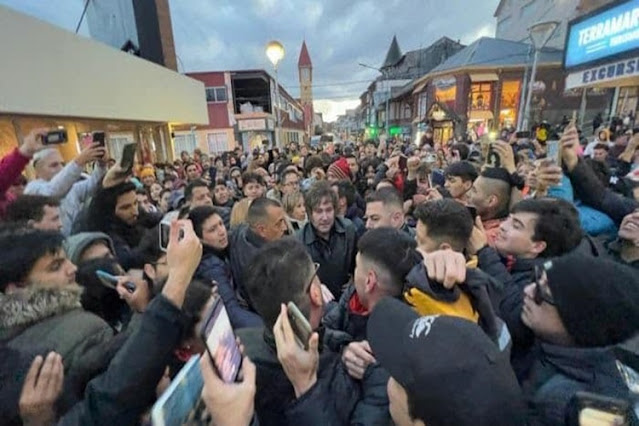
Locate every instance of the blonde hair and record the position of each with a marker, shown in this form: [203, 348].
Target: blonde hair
[240, 212]
[290, 201]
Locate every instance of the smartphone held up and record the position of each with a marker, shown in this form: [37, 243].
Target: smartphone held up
[221, 343]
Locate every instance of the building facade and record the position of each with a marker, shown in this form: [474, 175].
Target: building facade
[482, 88]
[141, 27]
[514, 17]
[386, 106]
[132, 101]
[241, 109]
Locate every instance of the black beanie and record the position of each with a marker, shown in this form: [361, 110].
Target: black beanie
[597, 299]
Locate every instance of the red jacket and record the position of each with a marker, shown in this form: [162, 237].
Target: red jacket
[11, 166]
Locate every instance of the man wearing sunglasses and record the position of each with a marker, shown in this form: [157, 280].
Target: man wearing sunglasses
[578, 308]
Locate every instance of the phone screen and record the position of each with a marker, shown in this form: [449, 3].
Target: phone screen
[220, 341]
[403, 163]
[165, 231]
[552, 151]
[599, 410]
[99, 137]
[522, 135]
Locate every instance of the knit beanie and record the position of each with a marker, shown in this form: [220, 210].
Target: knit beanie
[597, 299]
[340, 169]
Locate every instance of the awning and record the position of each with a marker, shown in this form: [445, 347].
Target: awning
[480, 115]
[478, 78]
[614, 74]
[48, 71]
[420, 87]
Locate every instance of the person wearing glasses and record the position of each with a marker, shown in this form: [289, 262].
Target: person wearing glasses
[579, 308]
[288, 183]
[535, 230]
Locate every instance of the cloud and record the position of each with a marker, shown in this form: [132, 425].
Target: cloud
[232, 34]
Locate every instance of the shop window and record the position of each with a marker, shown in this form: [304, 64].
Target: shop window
[116, 143]
[509, 102]
[216, 94]
[184, 142]
[218, 142]
[480, 96]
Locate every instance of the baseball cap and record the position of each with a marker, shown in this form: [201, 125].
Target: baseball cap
[452, 371]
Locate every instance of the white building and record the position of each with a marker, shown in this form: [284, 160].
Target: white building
[514, 17]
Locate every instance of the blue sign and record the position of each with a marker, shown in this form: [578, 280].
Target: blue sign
[612, 32]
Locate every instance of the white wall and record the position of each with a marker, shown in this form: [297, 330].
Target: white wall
[49, 71]
[112, 22]
[517, 16]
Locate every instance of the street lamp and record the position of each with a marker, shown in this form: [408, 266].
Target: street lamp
[540, 33]
[275, 53]
[388, 94]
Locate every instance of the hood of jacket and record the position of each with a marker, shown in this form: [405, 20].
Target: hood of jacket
[76, 244]
[31, 305]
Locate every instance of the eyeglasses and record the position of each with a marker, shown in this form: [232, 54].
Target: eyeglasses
[316, 267]
[540, 295]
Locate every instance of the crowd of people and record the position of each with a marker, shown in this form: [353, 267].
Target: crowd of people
[474, 282]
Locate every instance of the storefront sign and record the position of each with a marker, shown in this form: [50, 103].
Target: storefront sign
[603, 74]
[251, 125]
[612, 32]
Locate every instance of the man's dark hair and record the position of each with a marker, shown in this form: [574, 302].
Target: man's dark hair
[346, 189]
[250, 177]
[285, 172]
[188, 191]
[447, 221]
[386, 196]
[280, 273]
[462, 169]
[312, 162]
[258, 211]
[315, 195]
[189, 165]
[463, 150]
[219, 182]
[21, 249]
[199, 215]
[557, 224]
[29, 207]
[603, 146]
[391, 250]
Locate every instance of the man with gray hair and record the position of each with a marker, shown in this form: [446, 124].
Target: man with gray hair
[54, 179]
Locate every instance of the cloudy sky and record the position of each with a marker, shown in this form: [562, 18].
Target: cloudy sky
[232, 34]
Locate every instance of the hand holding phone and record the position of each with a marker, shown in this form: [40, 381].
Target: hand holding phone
[299, 365]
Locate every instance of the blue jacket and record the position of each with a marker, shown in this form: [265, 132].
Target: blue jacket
[215, 268]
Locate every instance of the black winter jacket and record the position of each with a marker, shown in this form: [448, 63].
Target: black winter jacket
[244, 244]
[335, 256]
[330, 401]
[342, 326]
[214, 267]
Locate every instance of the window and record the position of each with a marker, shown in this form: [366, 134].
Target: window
[480, 96]
[184, 142]
[218, 142]
[216, 94]
[117, 142]
[509, 106]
